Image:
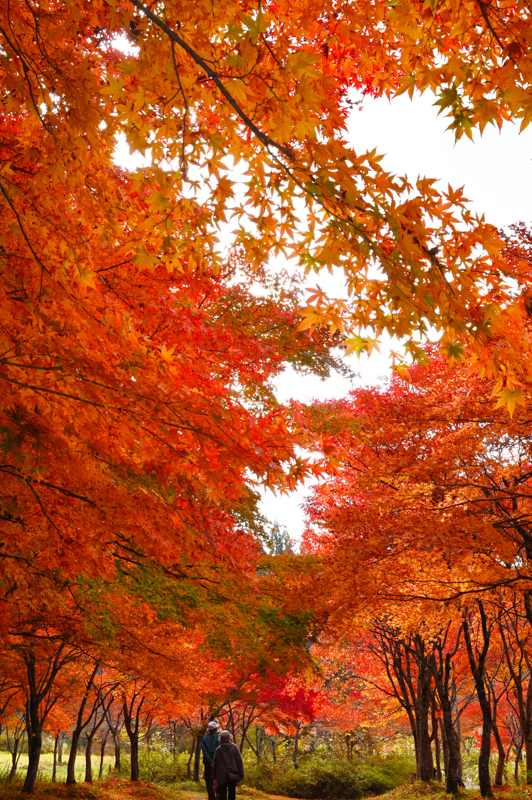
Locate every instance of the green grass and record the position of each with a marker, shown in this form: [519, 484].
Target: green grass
[46, 765]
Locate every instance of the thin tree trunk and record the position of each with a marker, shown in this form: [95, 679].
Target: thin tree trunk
[33, 724]
[76, 733]
[134, 758]
[437, 752]
[296, 747]
[197, 753]
[189, 762]
[88, 758]
[71, 763]
[39, 704]
[102, 753]
[15, 754]
[118, 761]
[425, 767]
[499, 774]
[526, 706]
[54, 767]
[478, 672]
[527, 735]
[450, 741]
[518, 759]
[444, 748]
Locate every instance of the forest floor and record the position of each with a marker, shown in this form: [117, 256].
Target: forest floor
[119, 789]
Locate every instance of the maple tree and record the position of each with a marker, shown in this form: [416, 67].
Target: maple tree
[426, 515]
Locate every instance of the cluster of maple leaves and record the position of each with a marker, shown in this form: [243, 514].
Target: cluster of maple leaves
[137, 418]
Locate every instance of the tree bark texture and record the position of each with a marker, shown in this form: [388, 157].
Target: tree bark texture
[78, 728]
[197, 754]
[441, 670]
[478, 671]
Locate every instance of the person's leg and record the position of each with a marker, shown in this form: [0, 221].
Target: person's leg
[231, 790]
[222, 791]
[208, 781]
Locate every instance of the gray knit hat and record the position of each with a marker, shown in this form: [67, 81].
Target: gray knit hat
[212, 726]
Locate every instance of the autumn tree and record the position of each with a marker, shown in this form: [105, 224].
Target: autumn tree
[428, 509]
[137, 351]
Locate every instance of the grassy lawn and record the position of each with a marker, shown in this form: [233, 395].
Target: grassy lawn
[46, 764]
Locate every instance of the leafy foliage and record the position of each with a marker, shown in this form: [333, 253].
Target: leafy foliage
[331, 779]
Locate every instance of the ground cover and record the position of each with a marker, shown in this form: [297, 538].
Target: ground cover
[118, 789]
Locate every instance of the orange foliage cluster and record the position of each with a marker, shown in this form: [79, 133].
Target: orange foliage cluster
[424, 532]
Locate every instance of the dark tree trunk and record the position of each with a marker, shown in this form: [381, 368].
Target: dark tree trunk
[95, 727]
[526, 703]
[478, 672]
[484, 779]
[451, 744]
[197, 754]
[115, 728]
[437, 753]
[425, 766]
[102, 753]
[56, 747]
[80, 725]
[39, 704]
[34, 746]
[191, 754]
[528, 747]
[259, 737]
[15, 754]
[445, 748]
[34, 757]
[459, 745]
[134, 758]
[296, 747]
[174, 741]
[71, 764]
[499, 774]
[518, 759]
[132, 724]
[454, 761]
[60, 737]
[33, 726]
[118, 762]
[88, 758]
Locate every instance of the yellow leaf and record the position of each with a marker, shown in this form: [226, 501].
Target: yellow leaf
[86, 276]
[510, 398]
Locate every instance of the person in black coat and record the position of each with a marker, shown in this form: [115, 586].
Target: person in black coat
[208, 747]
[227, 768]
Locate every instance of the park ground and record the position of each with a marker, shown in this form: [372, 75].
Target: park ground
[119, 789]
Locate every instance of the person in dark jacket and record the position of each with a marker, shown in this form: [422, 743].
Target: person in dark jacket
[227, 768]
[209, 743]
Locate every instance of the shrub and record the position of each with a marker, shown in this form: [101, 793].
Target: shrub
[160, 766]
[326, 778]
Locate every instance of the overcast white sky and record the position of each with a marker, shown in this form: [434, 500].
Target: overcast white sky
[496, 171]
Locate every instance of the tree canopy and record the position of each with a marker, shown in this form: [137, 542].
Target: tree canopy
[144, 313]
